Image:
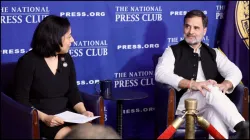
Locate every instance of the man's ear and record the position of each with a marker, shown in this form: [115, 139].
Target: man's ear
[205, 31]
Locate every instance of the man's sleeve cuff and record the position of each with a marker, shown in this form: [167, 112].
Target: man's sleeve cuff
[176, 85]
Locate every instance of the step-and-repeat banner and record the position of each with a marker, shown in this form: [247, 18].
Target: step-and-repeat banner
[113, 40]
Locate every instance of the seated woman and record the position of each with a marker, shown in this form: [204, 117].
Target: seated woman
[45, 77]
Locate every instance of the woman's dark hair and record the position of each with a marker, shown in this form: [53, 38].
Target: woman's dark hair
[197, 13]
[47, 38]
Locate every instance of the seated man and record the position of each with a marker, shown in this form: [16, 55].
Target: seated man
[197, 71]
[86, 131]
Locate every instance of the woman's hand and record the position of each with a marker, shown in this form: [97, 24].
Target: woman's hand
[80, 108]
[52, 121]
[87, 113]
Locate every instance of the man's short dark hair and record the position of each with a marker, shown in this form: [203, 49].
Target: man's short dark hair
[47, 38]
[197, 13]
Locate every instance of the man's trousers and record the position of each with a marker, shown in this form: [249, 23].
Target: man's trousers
[215, 107]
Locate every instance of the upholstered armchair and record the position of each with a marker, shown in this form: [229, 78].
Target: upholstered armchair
[19, 121]
[166, 104]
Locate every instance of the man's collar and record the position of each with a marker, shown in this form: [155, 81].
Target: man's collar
[197, 49]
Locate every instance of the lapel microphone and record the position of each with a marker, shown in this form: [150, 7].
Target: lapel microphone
[199, 58]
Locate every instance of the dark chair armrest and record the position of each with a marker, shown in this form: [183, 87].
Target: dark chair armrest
[172, 105]
[35, 124]
[245, 104]
[17, 120]
[95, 104]
[240, 98]
[165, 106]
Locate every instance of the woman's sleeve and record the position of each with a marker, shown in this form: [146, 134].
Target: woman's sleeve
[73, 94]
[24, 73]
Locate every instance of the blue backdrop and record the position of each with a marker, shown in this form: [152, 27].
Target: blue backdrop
[113, 40]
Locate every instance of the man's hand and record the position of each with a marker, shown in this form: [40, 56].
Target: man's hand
[52, 121]
[202, 85]
[213, 82]
[87, 113]
[225, 86]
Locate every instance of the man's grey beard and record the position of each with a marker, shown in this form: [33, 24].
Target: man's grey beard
[195, 43]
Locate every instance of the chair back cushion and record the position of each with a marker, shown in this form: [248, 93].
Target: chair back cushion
[7, 78]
